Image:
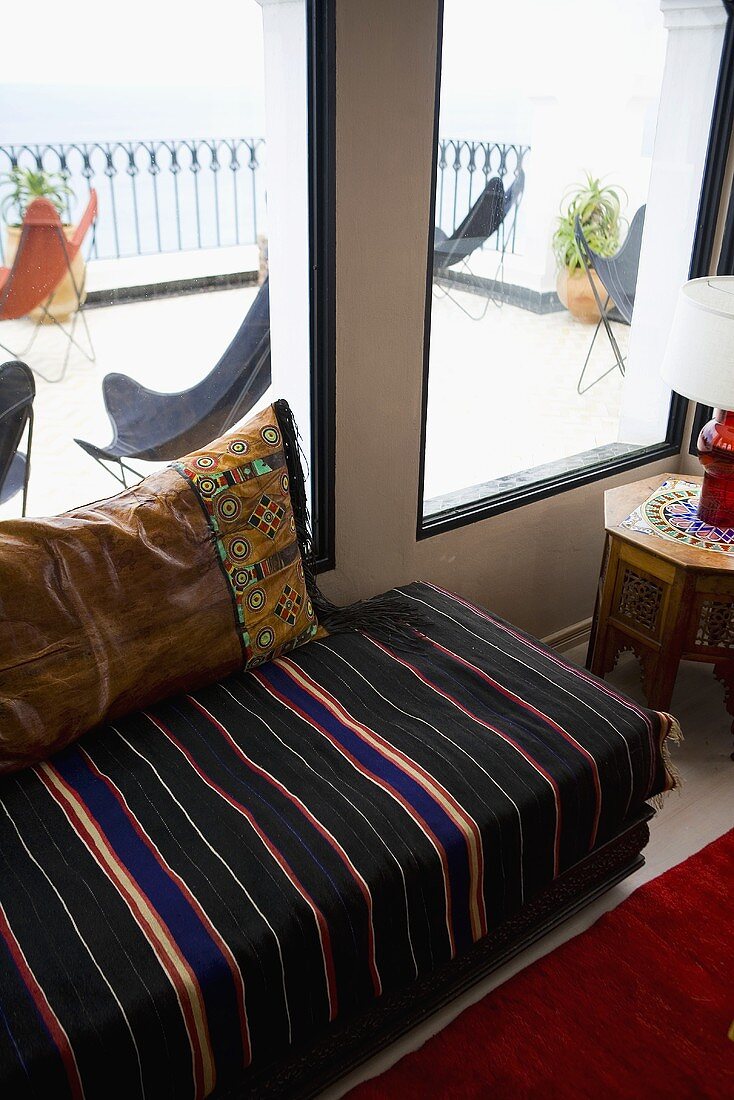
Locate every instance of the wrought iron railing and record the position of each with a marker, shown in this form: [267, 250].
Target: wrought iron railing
[464, 168]
[167, 196]
[158, 196]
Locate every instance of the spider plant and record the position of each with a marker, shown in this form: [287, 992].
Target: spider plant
[23, 185]
[599, 208]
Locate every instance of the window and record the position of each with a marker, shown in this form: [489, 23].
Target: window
[613, 105]
[201, 142]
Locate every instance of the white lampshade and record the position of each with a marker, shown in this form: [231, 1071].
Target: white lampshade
[699, 358]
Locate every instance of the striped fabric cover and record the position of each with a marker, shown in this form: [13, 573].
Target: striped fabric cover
[195, 888]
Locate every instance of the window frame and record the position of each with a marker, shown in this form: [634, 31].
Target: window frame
[725, 264]
[321, 41]
[722, 121]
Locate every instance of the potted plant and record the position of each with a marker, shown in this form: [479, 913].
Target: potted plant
[21, 186]
[599, 209]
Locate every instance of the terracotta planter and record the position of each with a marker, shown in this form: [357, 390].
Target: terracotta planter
[64, 301]
[576, 295]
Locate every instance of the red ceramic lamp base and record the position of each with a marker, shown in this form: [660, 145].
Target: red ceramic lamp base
[716, 453]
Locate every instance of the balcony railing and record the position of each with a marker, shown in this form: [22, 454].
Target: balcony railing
[167, 196]
[464, 168]
[158, 196]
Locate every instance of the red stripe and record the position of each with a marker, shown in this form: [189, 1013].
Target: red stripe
[277, 856]
[538, 714]
[186, 1010]
[504, 736]
[423, 825]
[49, 1017]
[604, 687]
[331, 840]
[429, 780]
[192, 901]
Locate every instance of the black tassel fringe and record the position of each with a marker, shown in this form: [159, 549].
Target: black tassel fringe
[390, 618]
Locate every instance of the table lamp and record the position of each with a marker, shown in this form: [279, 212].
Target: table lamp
[699, 363]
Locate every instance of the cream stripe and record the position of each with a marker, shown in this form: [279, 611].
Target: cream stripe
[546, 777]
[274, 854]
[149, 923]
[459, 748]
[377, 782]
[192, 901]
[340, 794]
[309, 816]
[221, 859]
[461, 819]
[82, 941]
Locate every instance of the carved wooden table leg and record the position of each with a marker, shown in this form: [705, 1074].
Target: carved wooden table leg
[664, 598]
[724, 673]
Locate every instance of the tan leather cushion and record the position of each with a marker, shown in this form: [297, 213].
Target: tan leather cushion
[186, 577]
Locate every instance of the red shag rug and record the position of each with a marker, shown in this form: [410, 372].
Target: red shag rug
[641, 1004]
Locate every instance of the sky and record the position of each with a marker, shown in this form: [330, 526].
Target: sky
[149, 42]
[148, 69]
[164, 71]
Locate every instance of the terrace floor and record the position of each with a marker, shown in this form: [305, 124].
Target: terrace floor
[504, 387]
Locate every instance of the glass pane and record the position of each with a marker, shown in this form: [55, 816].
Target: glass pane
[596, 110]
[171, 129]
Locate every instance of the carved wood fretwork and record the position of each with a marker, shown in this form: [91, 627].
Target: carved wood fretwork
[716, 625]
[640, 599]
[623, 643]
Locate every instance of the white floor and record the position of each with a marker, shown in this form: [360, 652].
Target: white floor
[504, 387]
[168, 344]
[701, 812]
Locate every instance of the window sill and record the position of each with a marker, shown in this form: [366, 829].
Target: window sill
[478, 502]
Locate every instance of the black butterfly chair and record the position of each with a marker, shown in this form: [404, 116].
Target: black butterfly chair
[489, 215]
[160, 427]
[618, 276]
[17, 390]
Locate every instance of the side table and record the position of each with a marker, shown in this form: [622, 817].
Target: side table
[666, 601]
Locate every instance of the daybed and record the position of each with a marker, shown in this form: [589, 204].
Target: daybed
[246, 835]
[244, 890]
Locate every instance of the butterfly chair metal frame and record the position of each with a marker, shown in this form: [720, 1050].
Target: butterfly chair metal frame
[488, 215]
[618, 276]
[17, 392]
[160, 427]
[44, 258]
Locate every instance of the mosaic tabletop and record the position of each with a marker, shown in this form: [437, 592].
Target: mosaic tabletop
[670, 512]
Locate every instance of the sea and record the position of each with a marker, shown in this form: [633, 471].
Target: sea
[163, 182]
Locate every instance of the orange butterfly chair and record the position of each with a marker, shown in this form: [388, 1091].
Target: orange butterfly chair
[43, 259]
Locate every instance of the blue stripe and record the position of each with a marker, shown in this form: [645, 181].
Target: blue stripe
[194, 942]
[425, 806]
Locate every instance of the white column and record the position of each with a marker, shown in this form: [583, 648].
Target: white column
[695, 35]
[547, 177]
[286, 135]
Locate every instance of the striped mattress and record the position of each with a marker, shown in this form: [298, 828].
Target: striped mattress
[197, 888]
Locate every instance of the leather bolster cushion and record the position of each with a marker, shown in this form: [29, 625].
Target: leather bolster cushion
[190, 575]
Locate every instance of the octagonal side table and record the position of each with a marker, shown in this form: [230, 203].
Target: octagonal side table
[663, 600]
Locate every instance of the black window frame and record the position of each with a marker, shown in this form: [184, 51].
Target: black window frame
[725, 264]
[321, 45]
[712, 184]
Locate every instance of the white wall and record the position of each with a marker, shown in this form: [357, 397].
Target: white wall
[695, 35]
[286, 112]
